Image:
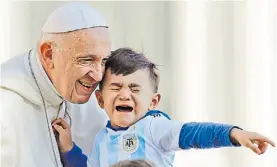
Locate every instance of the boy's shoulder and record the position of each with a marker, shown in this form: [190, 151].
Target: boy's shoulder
[153, 116]
[157, 115]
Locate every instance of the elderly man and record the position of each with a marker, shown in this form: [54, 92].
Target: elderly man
[54, 80]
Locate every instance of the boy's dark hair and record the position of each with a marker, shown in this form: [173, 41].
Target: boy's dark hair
[133, 163]
[125, 61]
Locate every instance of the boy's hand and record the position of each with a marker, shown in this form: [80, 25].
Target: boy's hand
[65, 139]
[251, 140]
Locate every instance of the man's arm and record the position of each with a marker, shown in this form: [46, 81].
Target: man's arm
[9, 145]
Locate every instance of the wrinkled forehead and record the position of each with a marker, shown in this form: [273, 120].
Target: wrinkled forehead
[92, 41]
[140, 77]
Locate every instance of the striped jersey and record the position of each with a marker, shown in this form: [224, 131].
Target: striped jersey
[155, 137]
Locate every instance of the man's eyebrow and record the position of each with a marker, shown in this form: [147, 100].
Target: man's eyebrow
[89, 56]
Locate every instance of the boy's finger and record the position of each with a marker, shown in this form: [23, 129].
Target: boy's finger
[269, 141]
[251, 146]
[64, 124]
[56, 121]
[261, 138]
[257, 150]
[263, 146]
[59, 129]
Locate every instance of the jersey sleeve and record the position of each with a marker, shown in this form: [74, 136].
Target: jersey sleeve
[171, 135]
[165, 133]
[205, 135]
[75, 158]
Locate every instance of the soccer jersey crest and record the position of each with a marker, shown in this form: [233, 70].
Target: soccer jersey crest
[130, 142]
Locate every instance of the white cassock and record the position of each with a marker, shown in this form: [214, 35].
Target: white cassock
[27, 138]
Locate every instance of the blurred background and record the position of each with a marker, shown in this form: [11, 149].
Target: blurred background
[217, 60]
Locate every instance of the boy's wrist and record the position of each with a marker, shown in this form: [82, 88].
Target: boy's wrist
[67, 148]
[234, 132]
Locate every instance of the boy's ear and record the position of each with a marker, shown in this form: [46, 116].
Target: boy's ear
[155, 101]
[99, 98]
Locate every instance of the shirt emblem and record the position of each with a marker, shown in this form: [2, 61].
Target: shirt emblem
[130, 142]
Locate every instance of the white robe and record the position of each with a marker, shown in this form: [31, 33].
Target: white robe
[25, 139]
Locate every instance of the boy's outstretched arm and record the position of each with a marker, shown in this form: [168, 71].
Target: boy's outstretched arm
[213, 135]
[173, 135]
[71, 153]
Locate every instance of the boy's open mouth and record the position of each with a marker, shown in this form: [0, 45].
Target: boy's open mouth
[124, 108]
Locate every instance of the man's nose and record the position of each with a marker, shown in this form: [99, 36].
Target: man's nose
[96, 73]
[124, 95]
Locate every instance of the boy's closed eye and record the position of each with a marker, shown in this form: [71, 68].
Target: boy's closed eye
[115, 88]
[135, 89]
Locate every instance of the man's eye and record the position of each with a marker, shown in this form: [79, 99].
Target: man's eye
[104, 62]
[85, 61]
[115, 89]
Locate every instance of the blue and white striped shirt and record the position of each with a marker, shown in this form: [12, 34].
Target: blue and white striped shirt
[155, 138]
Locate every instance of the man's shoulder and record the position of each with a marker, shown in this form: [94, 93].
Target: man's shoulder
[9, 97]
[16, 78]
[16, 63]
[14, 71]
[15, 86]
[12, 103]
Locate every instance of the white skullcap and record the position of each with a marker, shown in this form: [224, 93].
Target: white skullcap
[73, 16]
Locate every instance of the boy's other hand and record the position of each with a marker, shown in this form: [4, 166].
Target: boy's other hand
[65, 139]
[252, 140]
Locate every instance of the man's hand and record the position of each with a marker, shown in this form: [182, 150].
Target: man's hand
[251, 140]
[65, 139]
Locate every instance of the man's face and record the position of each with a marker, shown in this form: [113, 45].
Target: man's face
[126, 99]
[79, 62]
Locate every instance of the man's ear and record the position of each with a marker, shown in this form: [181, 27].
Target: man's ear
[155, 101]
[46, 51]
[99, 98]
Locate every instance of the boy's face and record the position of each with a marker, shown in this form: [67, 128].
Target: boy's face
[128, 98]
